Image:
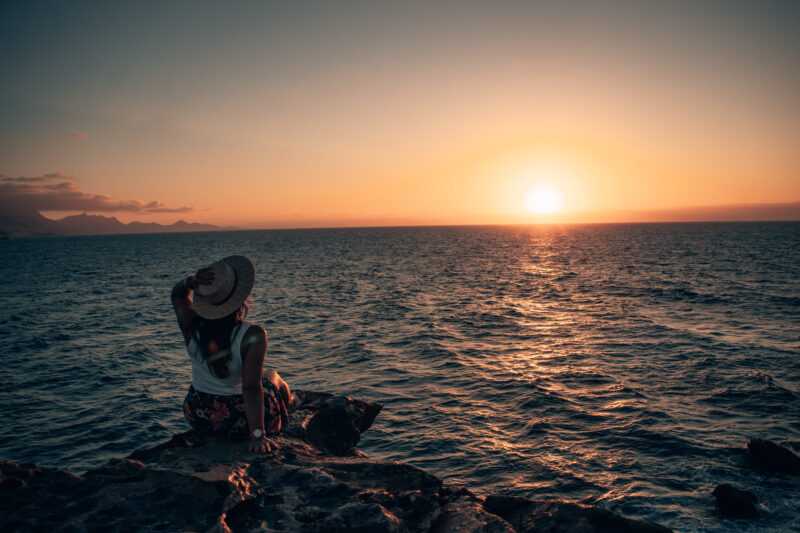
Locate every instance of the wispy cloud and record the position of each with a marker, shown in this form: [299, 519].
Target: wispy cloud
[79, 135]
[55, 192]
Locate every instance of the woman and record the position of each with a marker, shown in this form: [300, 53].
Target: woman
[228, 395]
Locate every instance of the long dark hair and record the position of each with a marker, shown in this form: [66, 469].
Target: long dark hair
[220, 332]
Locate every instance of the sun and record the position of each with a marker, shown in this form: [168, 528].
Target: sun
[544, 200]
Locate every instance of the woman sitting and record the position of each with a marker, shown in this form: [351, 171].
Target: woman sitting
[229, 395]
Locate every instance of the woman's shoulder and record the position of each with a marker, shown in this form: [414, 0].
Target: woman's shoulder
[253, 333]
[253, 338]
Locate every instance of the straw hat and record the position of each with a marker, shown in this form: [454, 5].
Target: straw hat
[233, 281]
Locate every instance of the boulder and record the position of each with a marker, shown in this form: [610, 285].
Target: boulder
[773, 457]
[330, 423]
[735, 503]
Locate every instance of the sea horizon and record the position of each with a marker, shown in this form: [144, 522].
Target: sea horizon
[412, 226]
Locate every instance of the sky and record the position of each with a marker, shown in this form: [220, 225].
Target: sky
[300, 114]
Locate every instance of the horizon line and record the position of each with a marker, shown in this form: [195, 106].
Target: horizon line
[725, 213]
[422, 226]
[505, 224]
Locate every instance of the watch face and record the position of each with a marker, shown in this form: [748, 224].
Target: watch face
[257, 433]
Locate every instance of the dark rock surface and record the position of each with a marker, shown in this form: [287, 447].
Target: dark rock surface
[735, 503]
[558, 517]
[314, 481]
[774, 457]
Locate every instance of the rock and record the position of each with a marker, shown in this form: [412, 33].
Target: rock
[770, 456]
[466, 515]
[193, 484]
[332, 424]
[360, 518]
[121, 497]
[562, 517]
[333, 430]
[735, 503]
[181, 440]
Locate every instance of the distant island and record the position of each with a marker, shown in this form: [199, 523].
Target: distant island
[31, 223]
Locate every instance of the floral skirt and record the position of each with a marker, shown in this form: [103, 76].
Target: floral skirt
[211, 414]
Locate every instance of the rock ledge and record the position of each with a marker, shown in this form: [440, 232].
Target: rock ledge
[315, 481]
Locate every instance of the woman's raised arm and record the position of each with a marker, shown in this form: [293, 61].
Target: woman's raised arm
[182, 301]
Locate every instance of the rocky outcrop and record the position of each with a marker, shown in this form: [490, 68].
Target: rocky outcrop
[552, 517]
[315, 481]
[773, 457]
[735, 503]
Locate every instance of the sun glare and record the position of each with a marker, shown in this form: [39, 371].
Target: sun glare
[544, 200]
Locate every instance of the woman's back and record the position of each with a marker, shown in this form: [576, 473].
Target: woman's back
[204, 380]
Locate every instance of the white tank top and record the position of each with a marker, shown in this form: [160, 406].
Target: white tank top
[202, 378]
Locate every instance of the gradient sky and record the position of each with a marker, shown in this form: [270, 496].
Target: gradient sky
[341, 113]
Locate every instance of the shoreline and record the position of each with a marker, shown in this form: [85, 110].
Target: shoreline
[317, 480]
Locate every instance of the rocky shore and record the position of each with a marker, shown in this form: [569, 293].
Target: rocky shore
[315, 481]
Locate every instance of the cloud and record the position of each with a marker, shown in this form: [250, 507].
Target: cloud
[34, 179]
[55, 192]
[158, 207]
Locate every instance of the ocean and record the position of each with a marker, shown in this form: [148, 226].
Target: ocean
[621, 365]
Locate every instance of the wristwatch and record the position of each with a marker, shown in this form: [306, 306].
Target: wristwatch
[257, 433]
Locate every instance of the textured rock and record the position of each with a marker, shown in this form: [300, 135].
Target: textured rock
[770, 456]
[124, 495]
[311, 482]
[465, 514]
[561, 517]
[360, 518]
[735, 503]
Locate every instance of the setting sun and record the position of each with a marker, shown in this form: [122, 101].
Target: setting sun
[544, 200]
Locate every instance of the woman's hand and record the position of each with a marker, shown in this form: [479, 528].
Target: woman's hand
[261, 445]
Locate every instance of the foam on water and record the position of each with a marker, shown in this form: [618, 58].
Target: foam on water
[621, 365]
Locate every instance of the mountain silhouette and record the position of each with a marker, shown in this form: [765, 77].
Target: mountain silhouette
[29, 223]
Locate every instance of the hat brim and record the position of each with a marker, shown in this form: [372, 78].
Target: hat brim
[245, 278]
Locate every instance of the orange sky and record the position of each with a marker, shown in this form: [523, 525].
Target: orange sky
[263, 117]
